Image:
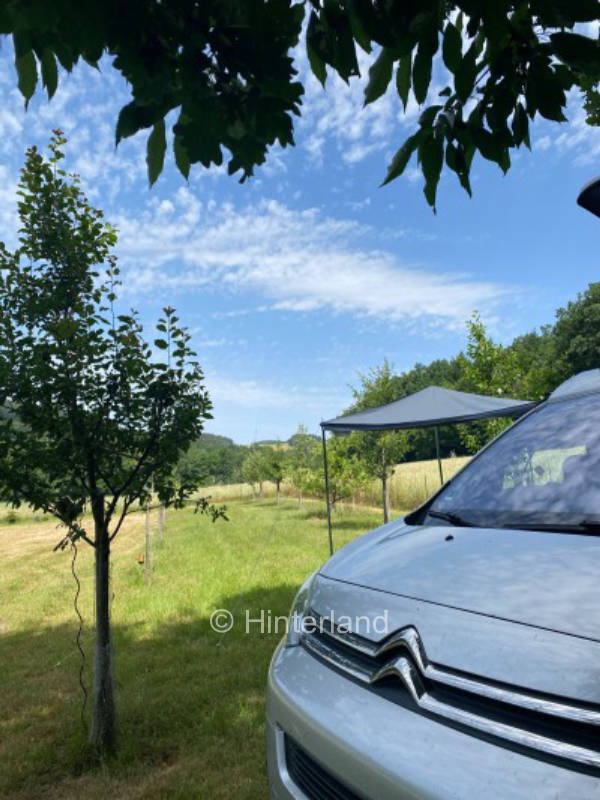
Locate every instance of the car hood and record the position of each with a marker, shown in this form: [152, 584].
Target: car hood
[548, 580]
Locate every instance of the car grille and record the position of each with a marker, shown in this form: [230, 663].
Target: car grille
[313, 779]
[399, 670]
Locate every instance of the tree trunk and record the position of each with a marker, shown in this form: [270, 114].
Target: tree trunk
[102, 734]
[385, 492]
[277, 492]
[299, 498]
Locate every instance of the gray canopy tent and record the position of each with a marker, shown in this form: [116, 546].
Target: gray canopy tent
[428, 408]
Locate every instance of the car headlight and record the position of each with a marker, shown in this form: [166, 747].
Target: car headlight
[298, 613]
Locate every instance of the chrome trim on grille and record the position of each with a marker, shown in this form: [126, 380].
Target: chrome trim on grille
[411, 666]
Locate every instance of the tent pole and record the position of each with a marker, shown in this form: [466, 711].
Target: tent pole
[437, 452]
[329, 531]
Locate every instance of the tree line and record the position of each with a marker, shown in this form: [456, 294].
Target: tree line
[528, 368]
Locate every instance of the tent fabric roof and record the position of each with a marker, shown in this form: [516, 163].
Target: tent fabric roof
[431, 406]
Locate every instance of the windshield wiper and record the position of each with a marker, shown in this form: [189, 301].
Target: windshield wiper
[589, 527]
[452, 518]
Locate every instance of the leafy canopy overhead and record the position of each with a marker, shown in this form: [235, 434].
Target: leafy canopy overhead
[224, 67]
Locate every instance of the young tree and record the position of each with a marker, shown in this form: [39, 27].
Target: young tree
[379, 450]
[305, 461]
[226, 69]
[98, 416]
[255, 469]
[276, 465]
[347, 471]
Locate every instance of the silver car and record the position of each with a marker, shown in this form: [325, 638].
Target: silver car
[456, 653]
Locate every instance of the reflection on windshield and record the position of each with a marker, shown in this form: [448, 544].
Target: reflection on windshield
[546, 469]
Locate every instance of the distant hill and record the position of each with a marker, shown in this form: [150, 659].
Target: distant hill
[211, 441]
[292, 440]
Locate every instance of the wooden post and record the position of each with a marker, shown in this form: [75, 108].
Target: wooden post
[161, 523]
[329, 531]
[148, 553]
[437, 451]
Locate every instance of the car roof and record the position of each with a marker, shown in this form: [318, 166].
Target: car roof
[583, 382]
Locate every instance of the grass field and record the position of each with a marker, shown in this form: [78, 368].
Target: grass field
[189, 701]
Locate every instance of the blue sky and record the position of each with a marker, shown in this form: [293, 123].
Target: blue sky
[309, 273]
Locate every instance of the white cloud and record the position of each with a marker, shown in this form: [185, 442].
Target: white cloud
[248, 393]
[412, 174]
[338, 114]
[543, 143]
[299, 261]
[575, 138]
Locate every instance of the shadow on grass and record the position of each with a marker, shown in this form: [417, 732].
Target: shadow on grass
[185, 696]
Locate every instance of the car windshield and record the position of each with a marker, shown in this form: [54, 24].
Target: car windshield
[545, 471]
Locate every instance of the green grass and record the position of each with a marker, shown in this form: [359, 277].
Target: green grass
[190, 702]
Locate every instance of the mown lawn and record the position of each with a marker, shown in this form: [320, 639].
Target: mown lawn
[189, 701]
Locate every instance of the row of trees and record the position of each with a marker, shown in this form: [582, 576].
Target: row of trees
[528, 368]
[354, 462]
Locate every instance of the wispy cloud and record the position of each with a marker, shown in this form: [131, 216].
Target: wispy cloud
[298, 260]
[248, 393]
[575, 139]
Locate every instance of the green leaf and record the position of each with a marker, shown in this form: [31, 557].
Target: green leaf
[579, 52]
[27, 75]
[520, 125]
[489, 146]
[316, 61]
[452, 157]
[464, 80]
[460, 161]
[133, 118]
[344, 51]
[380, 74]
[402, 157]
[155, 151]
[49, 72]
[403, 78]
[427, 117]
[421, 76]
[358, 30]
[452, 48]
[161, 344]
[565, 75]
[431, 155]
[316, 64]
[181, 156]
[545, 92]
